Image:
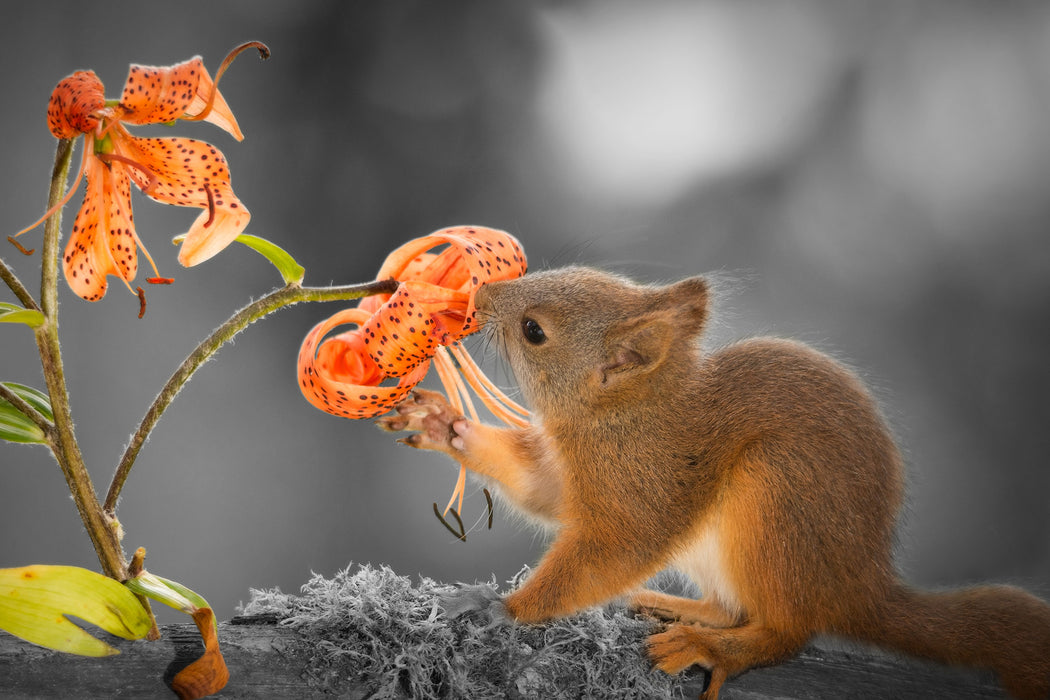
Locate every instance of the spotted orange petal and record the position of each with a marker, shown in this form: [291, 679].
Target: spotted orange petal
[102, 241]
[475, 255]
[158, 94]
[359, 395]
[213, 231]
[220, 114]
[407, 329]
[188, 172]
[346, 359]
[74, 105]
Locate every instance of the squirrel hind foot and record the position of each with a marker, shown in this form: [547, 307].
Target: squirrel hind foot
[681, 646]
[723, 652]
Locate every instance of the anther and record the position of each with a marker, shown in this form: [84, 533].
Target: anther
[21, 248]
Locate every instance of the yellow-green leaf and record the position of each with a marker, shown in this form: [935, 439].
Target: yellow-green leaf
[36, 602]
[9, 313]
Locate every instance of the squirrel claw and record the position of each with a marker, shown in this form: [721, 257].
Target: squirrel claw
[392, 424]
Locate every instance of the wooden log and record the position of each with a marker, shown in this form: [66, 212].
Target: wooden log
[267, 660]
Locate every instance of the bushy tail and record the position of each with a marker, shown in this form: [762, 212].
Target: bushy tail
[993, 627]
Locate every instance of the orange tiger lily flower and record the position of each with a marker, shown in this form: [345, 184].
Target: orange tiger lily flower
[365, 372]
[180, 171]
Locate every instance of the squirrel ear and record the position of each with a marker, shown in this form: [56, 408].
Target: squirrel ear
[689, 300]
[641, 344]
[638, 346]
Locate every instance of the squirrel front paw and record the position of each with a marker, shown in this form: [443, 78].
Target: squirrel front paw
[437, 423]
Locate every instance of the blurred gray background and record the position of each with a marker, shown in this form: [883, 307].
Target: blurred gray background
[870, 177]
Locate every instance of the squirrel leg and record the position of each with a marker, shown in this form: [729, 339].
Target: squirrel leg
[672, 608]
[723, 652]
[512, 457]
[576, 573]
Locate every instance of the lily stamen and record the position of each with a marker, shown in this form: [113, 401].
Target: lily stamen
[151, 185]
[211, 205]
[21, 249]
[501, 405]
[89, 146]
[264, 53]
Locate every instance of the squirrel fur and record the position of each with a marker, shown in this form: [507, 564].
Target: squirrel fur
[764, 471]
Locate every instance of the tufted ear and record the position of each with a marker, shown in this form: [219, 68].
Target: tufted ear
[688, 300]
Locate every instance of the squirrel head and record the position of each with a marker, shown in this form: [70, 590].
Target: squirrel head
[579, 336]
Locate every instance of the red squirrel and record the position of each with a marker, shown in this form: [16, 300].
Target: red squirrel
[763, 471]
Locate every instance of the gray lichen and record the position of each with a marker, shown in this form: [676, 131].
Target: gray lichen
[376, 632]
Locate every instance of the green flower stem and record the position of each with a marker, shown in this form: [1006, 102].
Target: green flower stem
[12, 281]
[286, 296]
[63, 441]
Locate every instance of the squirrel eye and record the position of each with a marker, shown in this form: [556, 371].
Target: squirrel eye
[533, 331]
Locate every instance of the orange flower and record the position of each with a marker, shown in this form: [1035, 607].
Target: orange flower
[353, 374]
[179, 171]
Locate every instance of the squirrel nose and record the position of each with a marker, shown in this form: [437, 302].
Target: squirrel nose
[483, 297]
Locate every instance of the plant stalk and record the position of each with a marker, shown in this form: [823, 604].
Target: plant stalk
[64, 444]
[278, 299]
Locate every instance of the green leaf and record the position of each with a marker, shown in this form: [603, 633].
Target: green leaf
[15, 426]
[10, 313]
[36, 600]
[290, 270]
[171, 593]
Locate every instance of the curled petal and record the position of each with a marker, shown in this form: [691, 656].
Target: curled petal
[75, 104]
[340, 385]
[158, 94]
[414, 269]
[345, 359]
[475, 255]
[407, 330]
[219, 113]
